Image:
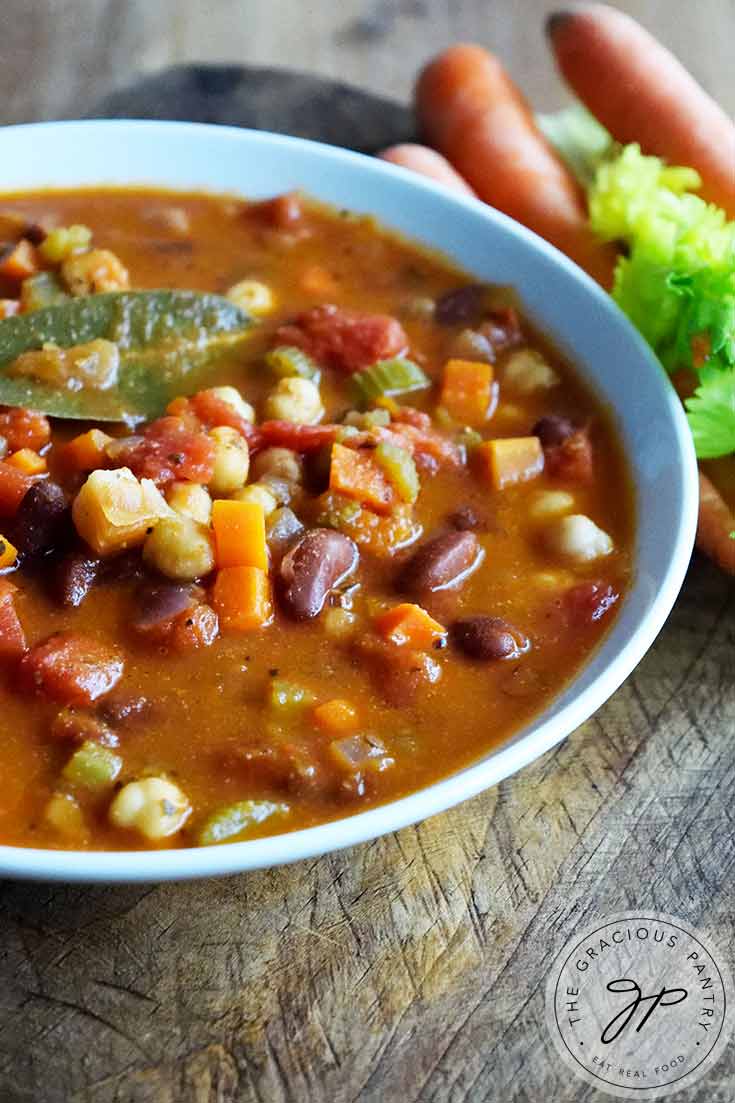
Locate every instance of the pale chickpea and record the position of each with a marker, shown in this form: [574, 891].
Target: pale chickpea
[280, 463]
[259, 493]
[578, 538]
[527, 371]
[233, 398]
[550, 503]
[180, 549]
[231, 461]
[297, 400]
[253, 297]
[153, 806]
[94, 272]
[191, 500]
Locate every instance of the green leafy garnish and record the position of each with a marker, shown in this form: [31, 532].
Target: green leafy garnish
[167, 342]
[711, 413]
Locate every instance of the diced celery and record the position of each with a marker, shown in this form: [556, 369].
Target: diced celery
[389, 377]
[368, 420]
[92, 767]
[63, 241]
[289, 696]
[400, 469]
[338, 511]
[233, 819]
[42, 290]
[286, 360]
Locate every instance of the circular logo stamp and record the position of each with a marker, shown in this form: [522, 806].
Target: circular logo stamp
[640, 1006]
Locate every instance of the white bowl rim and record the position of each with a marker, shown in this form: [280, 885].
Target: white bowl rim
[229, 858]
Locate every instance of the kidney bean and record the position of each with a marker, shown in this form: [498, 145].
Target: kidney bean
[464, 304]
[553, 429]
[442, 562]
[467, 519]
[319, 561]
[488, 638]
[75, 576]
[125, 708]
[160, 605]
[39, 523]
[71, 725]
[503, 328]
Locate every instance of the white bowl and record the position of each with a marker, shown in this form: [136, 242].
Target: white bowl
[558, 296]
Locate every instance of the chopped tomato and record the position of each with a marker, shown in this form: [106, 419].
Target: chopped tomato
[211, 410]
[573, 459]
[12, 636]
[24, 428]
[283, 212]
[71, 668]
[198, 628]
[301, 438]
[344, 339]
[14, 485]
[589, 601]
[433, 445]
[168, 450]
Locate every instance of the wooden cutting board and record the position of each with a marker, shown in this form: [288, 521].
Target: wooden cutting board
[411, 968]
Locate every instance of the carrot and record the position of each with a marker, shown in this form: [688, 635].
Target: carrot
[715, 525]
[86, 452]
[336, 717]
[28, 461]
[12, 636]
[511, 460]
[20, 261]
[427, 162]
[8, 554]
[409, 624]
[14, 485]
[642, 93]
[242, 598]
[470, 109]
[239, 534]
[357, 475]
[467, 390]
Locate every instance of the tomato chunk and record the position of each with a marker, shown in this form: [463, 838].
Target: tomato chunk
[211, 410]
[12, 636]
[589, 601]
[283, 212]
[168, 450]
[71, 668]
[572, 459]
[301, 438]
[24, 429]
[344, 339]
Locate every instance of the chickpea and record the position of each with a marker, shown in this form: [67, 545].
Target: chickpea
[152, 806]
[180, 549]
[96, 271]
[577, 537]
[253, 297]
[526, 371]
[257, 492]
[550, 503]
[281, 463]
[233, 398]
[297, 400]
[191, 500]
[231, 461]
[339, 623]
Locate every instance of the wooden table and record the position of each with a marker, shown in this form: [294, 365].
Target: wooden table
[412, 968]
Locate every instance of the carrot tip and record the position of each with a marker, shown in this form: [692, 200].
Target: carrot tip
[556, 21]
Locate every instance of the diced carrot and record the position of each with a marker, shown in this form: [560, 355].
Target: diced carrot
[14, 485]
[9, 307]
[511, 460]
[239, 534]
[8, 554]
[336, 716]
[319, 281]
[356, 475]
[20, 261]
[242, 598]
[12, 636]
[409, 624]
[467, 390]
[28, 461]
[87, 451]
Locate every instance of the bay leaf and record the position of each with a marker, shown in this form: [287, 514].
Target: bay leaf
[169, 343]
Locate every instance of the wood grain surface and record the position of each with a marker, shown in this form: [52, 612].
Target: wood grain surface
[412, 968]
